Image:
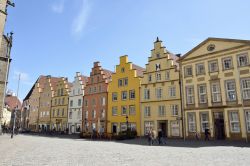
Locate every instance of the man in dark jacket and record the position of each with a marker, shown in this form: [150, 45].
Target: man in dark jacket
[207, 133]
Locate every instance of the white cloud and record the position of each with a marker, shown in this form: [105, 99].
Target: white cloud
[58, 7]
[24, 77]
[80, 21]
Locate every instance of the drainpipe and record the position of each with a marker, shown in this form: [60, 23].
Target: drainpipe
[182, 103]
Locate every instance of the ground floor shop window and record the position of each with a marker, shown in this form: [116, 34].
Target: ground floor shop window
[204, 121]
[248, 120]
[191, 122]
[175, 128]
[147, 126]
[234, 122]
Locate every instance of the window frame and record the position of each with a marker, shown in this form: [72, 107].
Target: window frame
[234, 121]
[197, 69]
[202, 94]
[223, 63]
[216, 92]
[193, 122]
[247, 59]
[210, 67]
[227, 90]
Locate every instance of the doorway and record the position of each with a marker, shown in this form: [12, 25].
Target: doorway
[219, 129]
[163, 126]
[114, 128]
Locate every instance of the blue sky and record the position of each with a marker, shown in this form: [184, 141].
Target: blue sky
[61, 37]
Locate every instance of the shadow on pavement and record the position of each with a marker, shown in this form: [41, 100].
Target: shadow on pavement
[144, 142]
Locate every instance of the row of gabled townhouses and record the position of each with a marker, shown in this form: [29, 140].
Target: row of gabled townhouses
[207, 88]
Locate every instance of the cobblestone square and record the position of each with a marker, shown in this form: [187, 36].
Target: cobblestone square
[39, 150]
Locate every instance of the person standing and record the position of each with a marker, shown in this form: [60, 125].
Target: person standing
[150, 137]
[160, 136]
[207, 133]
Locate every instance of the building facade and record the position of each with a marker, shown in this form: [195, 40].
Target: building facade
[216, 89]
[76, 104]
[34, 102]
[96, 100]
[5, 47]
[124, 98]
[59, 105]
[160, 93]
[46, 96]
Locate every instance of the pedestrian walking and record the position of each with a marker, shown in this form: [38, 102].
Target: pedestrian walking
[150, 137]
[154, 136]
[207, 133]
[160, 136]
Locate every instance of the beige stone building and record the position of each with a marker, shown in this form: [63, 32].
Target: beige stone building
[46, 96]
[160, 93]
[33, 98]
[216, 89]
[59, 105]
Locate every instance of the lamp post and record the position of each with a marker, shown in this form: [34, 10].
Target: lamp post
[127, 121]
[14, 122]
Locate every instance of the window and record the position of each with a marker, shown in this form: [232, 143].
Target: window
[158, 76]
[216, 95]
[98, 78]
[120, 82]
[62, 100]
[93, 101]
[79, 102]
[158, 55]
[71, 103]
[230, 90]
[227, 63]
[174, 109]
[191, 122]
[124, 110]
[148, 125]
[125, 81]
[100, 88]
[79, 114]
[55, 101]
[147, 112]
[59, 101]
[90, 90]
[202, 94]
[86, 115]
[204, 121]
[103, 113]
[74, 92]
[213, 66]
[131, 110]
[62, 92]
[248, 120]
[234, 122]
[124, 95]
[149, 78]
[146, 94]
[58, 112]
[114, 96]
[132, 94]
[161, 110]
[63, 112]
[245, 85]
[123, 70]
[70, 114]
[157, 67]
[58, 92]
[54, 113]
[114, 111]
[200, 69]
[93, 113]
[243, 60]
[190, 94]
[92, 80]
[103, 101]
[167, 75]
[172, 91]
[86, 102]
[158, 93]
[123, 126]
[188, 71]
[94, 90]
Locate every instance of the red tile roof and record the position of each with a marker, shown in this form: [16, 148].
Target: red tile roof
[138, 69]
[12, 102]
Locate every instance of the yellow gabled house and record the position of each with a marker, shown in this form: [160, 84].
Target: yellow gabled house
[124, 98]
